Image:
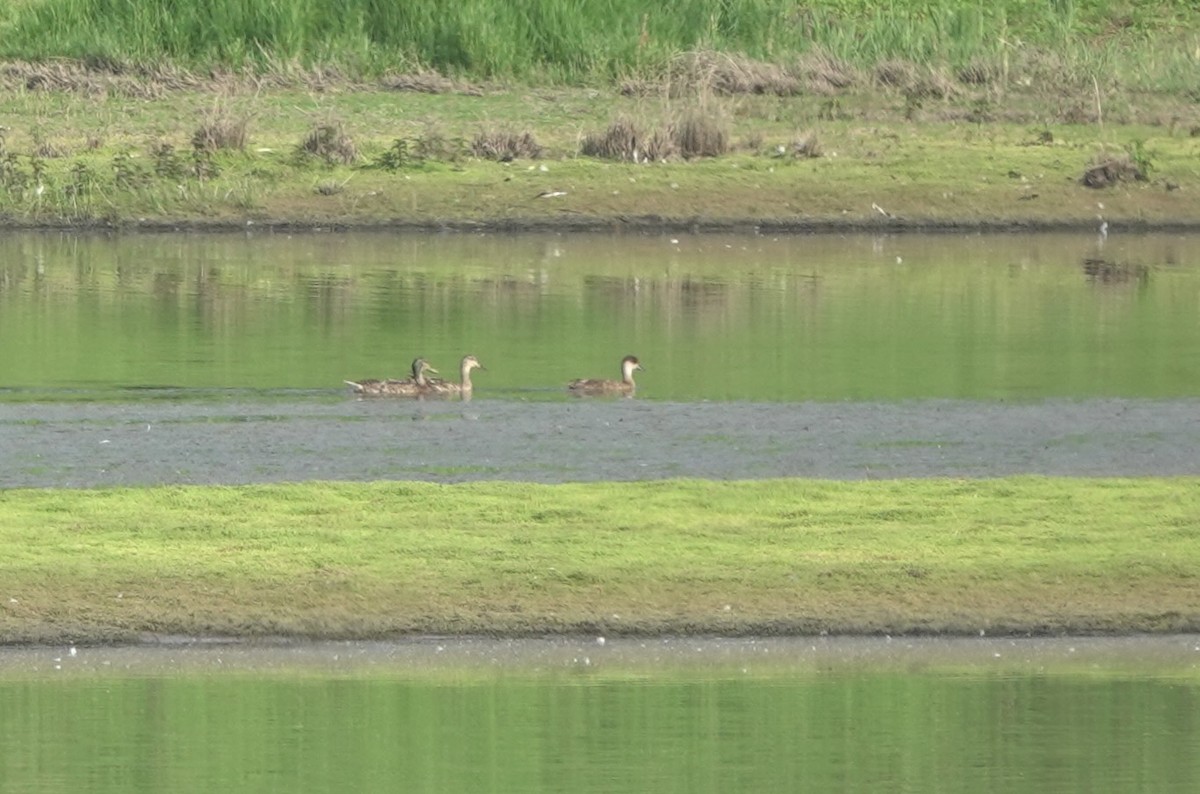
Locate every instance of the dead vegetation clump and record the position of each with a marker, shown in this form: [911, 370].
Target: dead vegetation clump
[1108, 168]
[428, 81]
[978, 72]
[98, 76]
[725, 74]
[695, 133]
[624, 140]
[220, 132]
[1076, 110]
[807, 144]
[934, 84]
[48, 150]
[1047, 72]
[330, 143]
[700, 134]
[707, 71]
[505, 146]
[825, 74]
[730, 74]
[434, 144]
[895, 74]
[106, 76]
[913, 81]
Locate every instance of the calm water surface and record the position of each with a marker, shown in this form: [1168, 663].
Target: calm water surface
[822, 715]
[713, 318]
[199, 358]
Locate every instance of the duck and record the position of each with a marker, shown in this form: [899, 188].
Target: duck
[414, 386]
[463, 387]
[601, 386]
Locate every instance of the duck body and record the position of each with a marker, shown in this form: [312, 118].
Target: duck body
[585, 386]
[437, 386]
[415, 386]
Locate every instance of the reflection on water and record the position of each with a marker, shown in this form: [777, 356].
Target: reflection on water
[712, 317]
[663, 715]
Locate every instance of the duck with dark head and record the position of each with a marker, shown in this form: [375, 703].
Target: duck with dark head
[414, 386]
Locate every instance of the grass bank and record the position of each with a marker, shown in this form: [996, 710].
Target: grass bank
[599, 115]
[566, 158]
[775, 557]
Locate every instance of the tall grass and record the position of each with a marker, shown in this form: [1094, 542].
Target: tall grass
[580, 40]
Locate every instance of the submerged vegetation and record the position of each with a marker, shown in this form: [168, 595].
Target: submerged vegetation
[779, 556]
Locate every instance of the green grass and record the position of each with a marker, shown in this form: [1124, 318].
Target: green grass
[784, 556]
[932, 170]
[591, 39]
[941, 113]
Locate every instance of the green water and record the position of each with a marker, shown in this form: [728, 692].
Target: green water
[124, 319]
[747, 724]
[711, 317]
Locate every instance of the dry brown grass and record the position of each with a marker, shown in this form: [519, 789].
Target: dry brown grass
[505, 145]
[329, 142]
[807, 144]
[221, 132]
[915, 82]
[727, 74]
[978, 72]
[696, 132]
[435, 144]
[1077, 110]
[626, 140]
[47, 149]
[825, 74]
[97, 77]
[428, 81]
[730, 74]
[108, 77]
[700, 133]
[895, 73]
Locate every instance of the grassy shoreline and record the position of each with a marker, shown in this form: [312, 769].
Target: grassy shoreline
[895, 148]
[139, 171]
[696, 114]
[1026, 555]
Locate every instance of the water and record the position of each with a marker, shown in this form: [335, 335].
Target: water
[713, 318]
[701, 715]
[220, 358]
[198, 358]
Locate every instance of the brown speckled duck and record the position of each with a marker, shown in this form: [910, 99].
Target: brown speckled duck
[415, 386]
[625, 385]
[463, 387]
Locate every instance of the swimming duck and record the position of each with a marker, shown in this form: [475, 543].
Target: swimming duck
[601, 386]
[463, 387]
[415, 386]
